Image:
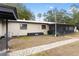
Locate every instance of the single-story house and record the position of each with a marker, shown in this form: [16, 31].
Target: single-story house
[14, 27]
[26, 27]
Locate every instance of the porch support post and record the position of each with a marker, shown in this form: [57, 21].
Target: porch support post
[55, 29]
[55, 25]
[6, 35]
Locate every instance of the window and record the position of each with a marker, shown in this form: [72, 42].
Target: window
[71, 28]
[43, 26]
[23, 26]
[67, 28]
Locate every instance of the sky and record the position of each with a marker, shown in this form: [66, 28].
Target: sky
[36, 8]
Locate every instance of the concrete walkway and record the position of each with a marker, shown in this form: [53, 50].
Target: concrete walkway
[3, 53]
[41, 48]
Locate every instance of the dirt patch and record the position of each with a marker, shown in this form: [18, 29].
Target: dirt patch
[19, 43]
[31, 41]
[67, 50]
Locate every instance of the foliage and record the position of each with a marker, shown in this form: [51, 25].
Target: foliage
[39, 15]
[22, 11]
[50, 15]
[63, 16]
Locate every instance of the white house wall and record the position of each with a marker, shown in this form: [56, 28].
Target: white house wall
[32, 28]
[14, 29]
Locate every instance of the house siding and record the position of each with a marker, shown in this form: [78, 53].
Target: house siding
[32, 29]
[14, 29]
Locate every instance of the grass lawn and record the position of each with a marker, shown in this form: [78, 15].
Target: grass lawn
[66, 50]
[23, 38]
[72, 35]
[18, 43]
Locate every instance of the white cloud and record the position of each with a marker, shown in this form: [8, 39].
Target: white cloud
[50, 7]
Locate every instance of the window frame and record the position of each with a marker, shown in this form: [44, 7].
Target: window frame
[23, 26]
[43, 26]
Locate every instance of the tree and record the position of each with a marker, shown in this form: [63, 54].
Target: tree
[22, 11]
[50, 15]
[75, 13]
[45, 15]
[39, 15]
[63, 16]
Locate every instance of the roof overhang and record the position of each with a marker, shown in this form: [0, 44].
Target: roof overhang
[8, 12]
[38, 22]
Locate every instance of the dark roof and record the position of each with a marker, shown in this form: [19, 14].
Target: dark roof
[8, 12]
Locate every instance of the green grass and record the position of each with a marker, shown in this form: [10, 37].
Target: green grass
[74, 44]
[71, 35]
[23, 37]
